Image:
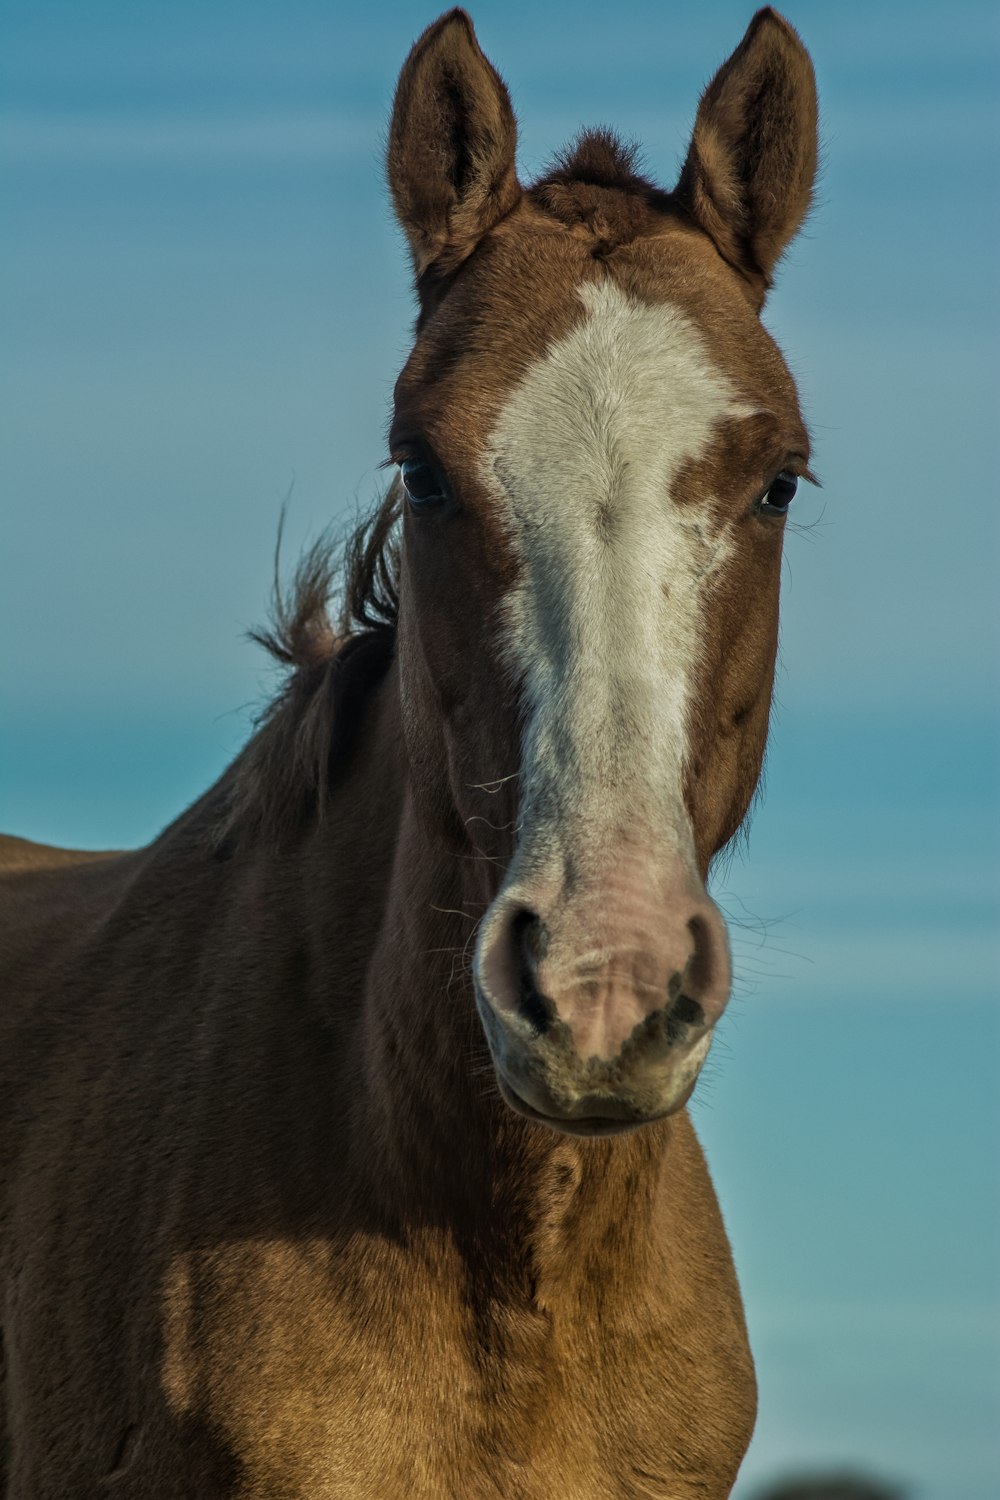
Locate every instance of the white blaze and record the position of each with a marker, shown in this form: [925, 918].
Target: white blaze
[605, 624]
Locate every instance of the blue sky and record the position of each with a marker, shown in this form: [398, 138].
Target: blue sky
[204, 306]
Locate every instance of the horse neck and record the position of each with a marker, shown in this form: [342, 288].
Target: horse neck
[434, 1149]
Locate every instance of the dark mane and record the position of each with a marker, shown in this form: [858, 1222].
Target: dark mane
[305, 734]
[596, 185]
[599, 157]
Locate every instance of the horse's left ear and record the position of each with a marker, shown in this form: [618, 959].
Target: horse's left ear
[451, 146]
[751, 164]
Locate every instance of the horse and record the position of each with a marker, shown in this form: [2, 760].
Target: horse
[345, 1150]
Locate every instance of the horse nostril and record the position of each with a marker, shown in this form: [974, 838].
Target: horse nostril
[530, 935]
[687, 1011]
[680, 1017]
[530, 939]
[709, 962]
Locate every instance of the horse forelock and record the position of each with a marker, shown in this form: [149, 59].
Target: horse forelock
[596, 188]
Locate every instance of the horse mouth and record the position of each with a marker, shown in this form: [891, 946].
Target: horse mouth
[586, 1125]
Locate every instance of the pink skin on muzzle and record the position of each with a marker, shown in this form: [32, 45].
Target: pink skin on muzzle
[599, 998]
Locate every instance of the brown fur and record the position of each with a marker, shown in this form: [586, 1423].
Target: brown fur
[451, 146]
[268, 1229]
[749, 173]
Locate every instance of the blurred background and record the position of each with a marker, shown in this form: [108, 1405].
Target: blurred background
[204, 306]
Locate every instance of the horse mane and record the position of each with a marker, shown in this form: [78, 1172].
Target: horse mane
[304, 735]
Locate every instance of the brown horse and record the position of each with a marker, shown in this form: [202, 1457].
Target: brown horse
[344, 1142]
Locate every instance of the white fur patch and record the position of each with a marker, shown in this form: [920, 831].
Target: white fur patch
[605, 624]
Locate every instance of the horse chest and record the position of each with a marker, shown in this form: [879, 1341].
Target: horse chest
[394, 1387]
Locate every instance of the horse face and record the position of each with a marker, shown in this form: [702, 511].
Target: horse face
[598, 442]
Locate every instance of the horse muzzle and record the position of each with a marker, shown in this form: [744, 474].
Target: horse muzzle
[599, 1015]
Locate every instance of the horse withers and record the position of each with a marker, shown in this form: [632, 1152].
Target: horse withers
[344, 1145]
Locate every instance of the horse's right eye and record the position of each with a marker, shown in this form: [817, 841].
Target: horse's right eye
[423, 485]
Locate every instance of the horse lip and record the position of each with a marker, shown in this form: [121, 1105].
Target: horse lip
[588, 1126]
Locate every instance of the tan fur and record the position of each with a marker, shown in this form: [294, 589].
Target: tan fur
[268, 1229]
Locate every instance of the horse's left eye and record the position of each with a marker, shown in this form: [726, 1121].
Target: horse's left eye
[423, 486]
[780, 496]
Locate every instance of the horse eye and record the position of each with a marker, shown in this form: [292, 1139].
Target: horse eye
[780, 496]
[423, 486]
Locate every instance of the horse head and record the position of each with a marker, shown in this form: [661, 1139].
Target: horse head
[598, 443]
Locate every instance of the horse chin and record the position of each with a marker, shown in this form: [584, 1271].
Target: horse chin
[590, 1126]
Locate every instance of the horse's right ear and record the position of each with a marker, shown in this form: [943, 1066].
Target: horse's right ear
[451, 146]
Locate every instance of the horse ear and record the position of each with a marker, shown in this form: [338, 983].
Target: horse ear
[451, 145]
[751, 164]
